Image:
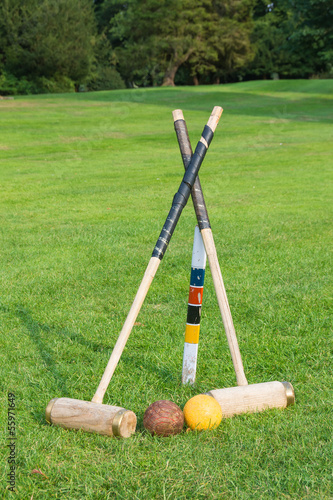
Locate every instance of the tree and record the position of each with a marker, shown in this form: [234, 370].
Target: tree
[273, 24]
[153, 39]
[313, 36]
[293, 38]
[157, 37]
[230, 38]
[104, 75]
[48, 39]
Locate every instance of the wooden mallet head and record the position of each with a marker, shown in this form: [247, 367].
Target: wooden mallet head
[91, 417]
[254, 397]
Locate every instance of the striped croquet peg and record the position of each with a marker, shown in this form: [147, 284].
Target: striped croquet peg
[198, 266]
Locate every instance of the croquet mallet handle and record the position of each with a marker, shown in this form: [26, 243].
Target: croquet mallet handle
[183, 194]
[178, 204]
[207, 236]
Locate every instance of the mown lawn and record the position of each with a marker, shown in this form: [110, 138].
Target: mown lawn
[86, 183]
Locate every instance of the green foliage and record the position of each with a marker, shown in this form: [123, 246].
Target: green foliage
[104, 75]
[230, 38]
[10, 85]
[48, 41]
[58, 84]
[154, 39]
[272, 51]
[61, 45]
[313, 36]
[292, 39]
[106, 78]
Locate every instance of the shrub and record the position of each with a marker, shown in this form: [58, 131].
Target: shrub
[10, 85]
[56, 85]
[106, 78]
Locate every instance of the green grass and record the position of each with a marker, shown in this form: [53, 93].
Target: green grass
[86, 183]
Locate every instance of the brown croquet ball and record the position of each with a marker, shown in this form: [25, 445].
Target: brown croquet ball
[163, 418]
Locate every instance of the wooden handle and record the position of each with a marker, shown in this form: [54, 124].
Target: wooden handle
[222, 300]
[214, 118]
[207, 236]
[179, 202]
[127, 328]
[181, 197]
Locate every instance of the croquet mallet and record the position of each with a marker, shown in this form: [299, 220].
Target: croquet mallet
[244, 398]
[112, 420]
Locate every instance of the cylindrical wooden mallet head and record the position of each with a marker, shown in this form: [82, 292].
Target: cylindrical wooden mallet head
[254, 397]
[92, 417]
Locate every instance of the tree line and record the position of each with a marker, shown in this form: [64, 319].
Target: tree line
[67, 45]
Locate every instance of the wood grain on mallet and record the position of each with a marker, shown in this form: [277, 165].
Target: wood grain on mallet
[254, 397]
[93, 417]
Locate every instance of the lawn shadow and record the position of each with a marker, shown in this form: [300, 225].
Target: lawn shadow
[36, 331]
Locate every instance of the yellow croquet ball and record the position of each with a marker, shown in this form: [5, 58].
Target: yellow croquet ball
[202, 412]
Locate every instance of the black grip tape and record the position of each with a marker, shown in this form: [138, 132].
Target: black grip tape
[181, 197]
[200, 206]
[196, 193]
[193, 168]
[207, 134]
[183, 141]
